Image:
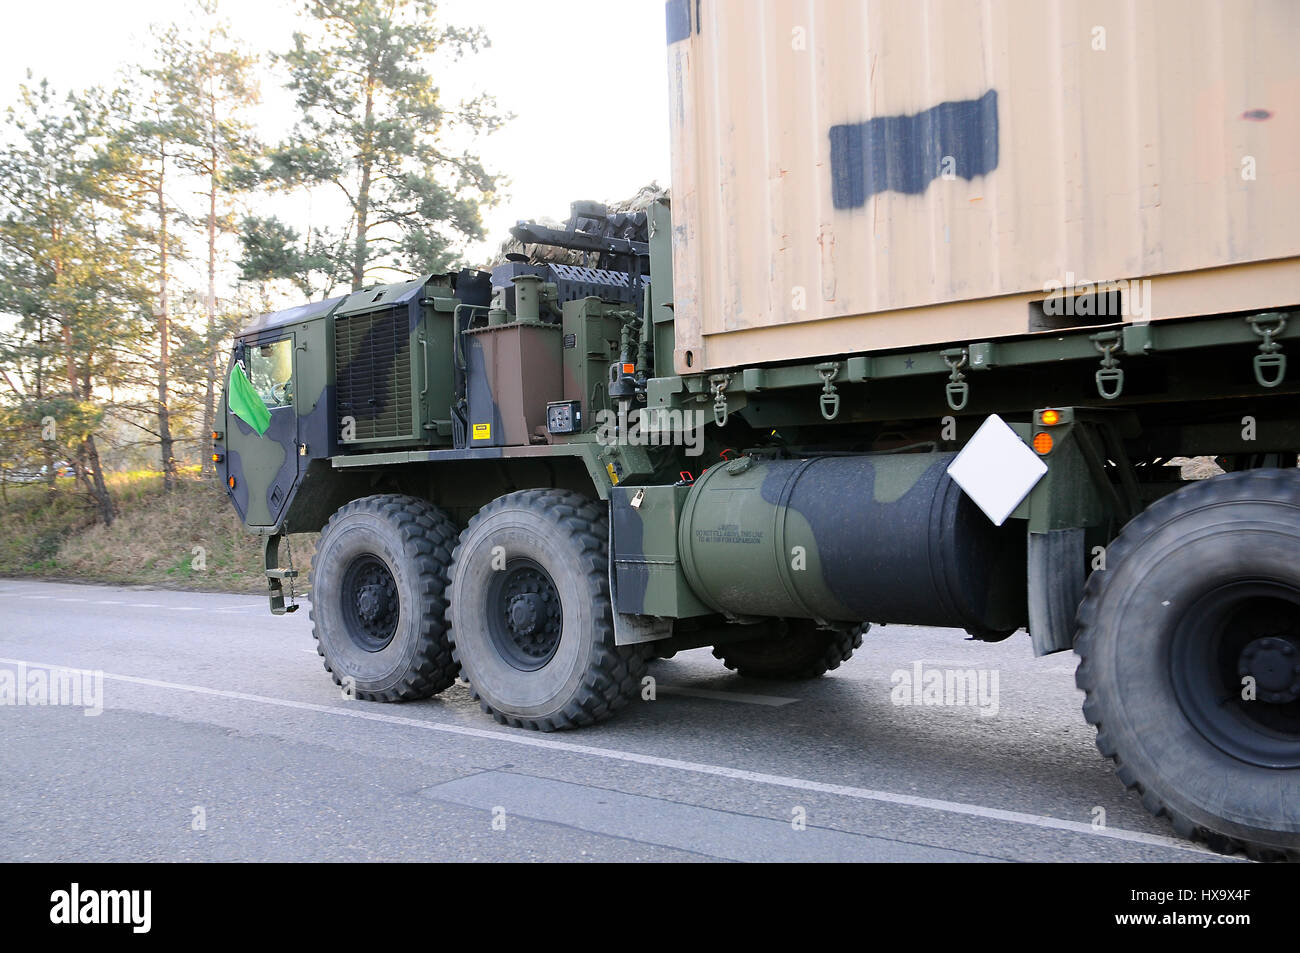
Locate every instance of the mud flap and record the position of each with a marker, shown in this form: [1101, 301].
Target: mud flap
[632, 629]
[1057, 572]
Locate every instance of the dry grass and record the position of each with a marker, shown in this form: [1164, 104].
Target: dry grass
[35, 519]
[187, 539]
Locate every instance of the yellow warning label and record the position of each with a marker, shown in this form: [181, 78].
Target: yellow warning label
[482, 431]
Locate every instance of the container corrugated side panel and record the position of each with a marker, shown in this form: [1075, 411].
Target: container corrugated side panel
[812, 213]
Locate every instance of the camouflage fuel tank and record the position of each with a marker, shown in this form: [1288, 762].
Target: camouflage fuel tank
[887, 538]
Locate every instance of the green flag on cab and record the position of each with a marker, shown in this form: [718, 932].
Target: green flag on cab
[245, 403]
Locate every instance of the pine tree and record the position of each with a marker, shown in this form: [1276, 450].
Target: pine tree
[373, 125]
[155, 135]
[67, 273]
[208, 78]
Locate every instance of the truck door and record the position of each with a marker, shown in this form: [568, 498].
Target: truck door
[264, 466]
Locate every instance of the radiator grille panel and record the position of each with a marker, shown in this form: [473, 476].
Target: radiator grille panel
[373, 373]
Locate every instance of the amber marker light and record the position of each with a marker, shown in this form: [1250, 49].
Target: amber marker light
[1043, 443]
[1050, 418]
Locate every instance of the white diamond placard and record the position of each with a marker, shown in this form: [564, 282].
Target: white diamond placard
[996, 470]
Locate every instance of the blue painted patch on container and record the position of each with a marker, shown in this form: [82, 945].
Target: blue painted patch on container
[678, 14]
[906, 153]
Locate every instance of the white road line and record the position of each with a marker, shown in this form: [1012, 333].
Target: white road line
[694, 767]
[773, 701]
[947, 662]
[135, 605]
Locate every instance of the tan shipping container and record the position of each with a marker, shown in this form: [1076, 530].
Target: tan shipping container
[857, 175]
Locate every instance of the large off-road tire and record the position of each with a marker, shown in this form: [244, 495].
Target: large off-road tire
[531, 620]
[1202, 592]
[379, 598]
[797, 650]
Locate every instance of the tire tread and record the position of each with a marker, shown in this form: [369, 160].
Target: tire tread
[431, 535]
[614, 675]
[1219, 489]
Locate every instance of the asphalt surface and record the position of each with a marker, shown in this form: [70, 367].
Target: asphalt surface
[220, 737]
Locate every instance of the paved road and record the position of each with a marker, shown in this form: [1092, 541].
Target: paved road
[222, 738]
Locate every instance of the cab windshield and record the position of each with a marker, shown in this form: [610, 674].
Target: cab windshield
[270, 369]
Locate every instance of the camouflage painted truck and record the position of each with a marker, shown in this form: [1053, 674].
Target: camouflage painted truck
[934, 306]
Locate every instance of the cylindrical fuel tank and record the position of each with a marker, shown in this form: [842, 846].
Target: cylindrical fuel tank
[855, 538]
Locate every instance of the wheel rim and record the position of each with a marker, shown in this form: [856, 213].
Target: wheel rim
[1240, 631]
[371, 606]
[524, 615]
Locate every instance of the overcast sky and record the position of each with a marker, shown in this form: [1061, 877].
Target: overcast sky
[585, 78]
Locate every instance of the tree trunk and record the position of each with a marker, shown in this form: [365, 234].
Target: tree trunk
[359, 249]
[74, 389]
[85, 464]
[103, 499]
[209, 403]
[165, 442]
[85, 467]
[78, 464]
[363, 193]
[46, 453]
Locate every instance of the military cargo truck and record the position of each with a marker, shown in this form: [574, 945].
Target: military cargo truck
[847, 376]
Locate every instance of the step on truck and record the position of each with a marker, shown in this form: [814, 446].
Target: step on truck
[945, 323]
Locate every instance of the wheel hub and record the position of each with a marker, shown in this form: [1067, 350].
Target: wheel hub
[524, 615]
[1235, 657]
[525, 612]
[1274, 664]
[370, 603]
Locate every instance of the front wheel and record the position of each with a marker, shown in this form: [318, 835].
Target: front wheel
[531, 619]
[1189, 648]
[378, 598]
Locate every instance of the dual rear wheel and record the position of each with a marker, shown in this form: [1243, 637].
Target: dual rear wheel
[531, 627]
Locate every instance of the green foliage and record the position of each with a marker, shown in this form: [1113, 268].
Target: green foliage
[67, 272]
[272, 250]
[373, 125]
[66, 268]
[180, 119]
[43, 432]
[117, 203]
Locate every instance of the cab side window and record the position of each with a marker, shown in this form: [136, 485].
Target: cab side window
[270, 369]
